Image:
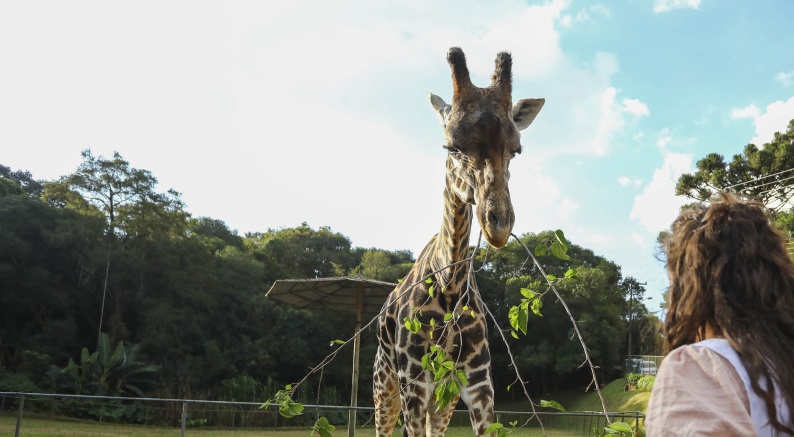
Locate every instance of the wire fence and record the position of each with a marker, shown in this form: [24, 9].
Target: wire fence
[189, 414]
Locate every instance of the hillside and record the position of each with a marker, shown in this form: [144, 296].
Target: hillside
[615, 398]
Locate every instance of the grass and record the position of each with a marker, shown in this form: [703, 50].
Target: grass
[45, 426]
[36, 425]
[615, 398]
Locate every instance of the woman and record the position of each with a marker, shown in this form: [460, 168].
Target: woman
[730, 326]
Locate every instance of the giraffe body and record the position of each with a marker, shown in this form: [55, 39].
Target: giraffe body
[481, 127]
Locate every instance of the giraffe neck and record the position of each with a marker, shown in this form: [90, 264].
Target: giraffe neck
[451, 244]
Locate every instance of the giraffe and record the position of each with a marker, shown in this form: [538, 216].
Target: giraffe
[481, 128]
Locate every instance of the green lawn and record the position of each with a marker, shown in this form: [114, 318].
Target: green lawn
[40, 426]
[37, 425]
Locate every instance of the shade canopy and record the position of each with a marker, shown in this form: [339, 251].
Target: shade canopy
[358, 295]
[336, 294]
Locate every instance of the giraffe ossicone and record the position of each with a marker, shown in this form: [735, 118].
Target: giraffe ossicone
[481, 128]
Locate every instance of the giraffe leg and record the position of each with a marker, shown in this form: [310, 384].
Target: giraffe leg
[479, 399]
[387, 396]
[415, 397]
[438, 421]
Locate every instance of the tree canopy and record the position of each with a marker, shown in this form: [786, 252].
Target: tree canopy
[186, 294]
[765, 173]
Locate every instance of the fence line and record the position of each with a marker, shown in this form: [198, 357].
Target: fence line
[583, 422]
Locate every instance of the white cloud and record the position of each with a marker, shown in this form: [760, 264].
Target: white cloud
[671, 5]
[775, 119]
[612, 120]
[664, 139]
[662, 142]
[749, 111]
[626, 181]
[785, 79]
[658, 206]
[635, 107]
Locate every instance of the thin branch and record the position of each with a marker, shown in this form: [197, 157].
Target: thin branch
[575, 326]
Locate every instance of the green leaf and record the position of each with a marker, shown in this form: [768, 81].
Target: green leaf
[540, 250]
[449, 365]
[288, 387]
[448, 317]
[432, 322]
[429, 280]
[473, 314]
[552, 404]
[496, 426]
[558, 251]
[537, 304]
[333, 342]
[513, 333]
[430, 290]
[322, 427]
[561, 239]
[551, 278]
[526, 292]
[425, 361]
[571, 273]
[439, 392]
[462, 378]
[620, 427]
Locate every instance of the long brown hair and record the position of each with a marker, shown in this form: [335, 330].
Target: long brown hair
[730, 274]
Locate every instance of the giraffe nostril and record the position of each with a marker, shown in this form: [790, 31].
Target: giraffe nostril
[493, 219]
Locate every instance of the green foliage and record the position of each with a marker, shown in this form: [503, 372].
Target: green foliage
[500, 429]
[106, 372]
[286, 406]
[619, 429]
[552, 404]
[322, 427]
[632, 378]
[447, 377]
[518, 315]
[646, 382]
[17, 382]
[760, 172]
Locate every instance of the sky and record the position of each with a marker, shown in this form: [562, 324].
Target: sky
[269, 114]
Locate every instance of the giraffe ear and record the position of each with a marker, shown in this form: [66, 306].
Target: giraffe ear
[525, 111]
[441, 107]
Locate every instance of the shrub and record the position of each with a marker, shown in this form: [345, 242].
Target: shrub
[646, 383]
[19, 382]
[632, 378]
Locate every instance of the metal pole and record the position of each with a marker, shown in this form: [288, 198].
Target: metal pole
[351, 417]
[631, 311]
[184, 417]
[19, 414]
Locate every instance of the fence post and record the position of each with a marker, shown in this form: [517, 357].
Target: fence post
[184, 417]
[19, 414]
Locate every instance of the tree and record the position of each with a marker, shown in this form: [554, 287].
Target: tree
[765, 173]
[125, 196]
[23, 178]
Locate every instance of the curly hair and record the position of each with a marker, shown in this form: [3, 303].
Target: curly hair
[731, 276]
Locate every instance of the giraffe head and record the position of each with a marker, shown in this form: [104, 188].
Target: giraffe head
[481, 128]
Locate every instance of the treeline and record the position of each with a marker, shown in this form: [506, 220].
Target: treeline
[99, 262]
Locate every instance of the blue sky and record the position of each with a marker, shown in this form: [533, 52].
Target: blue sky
[269, 114]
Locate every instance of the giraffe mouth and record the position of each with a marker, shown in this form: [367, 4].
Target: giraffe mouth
[496, 223]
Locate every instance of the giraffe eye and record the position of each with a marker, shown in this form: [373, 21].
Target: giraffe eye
[454, 151]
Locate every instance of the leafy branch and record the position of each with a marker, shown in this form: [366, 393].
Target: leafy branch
[448, 377]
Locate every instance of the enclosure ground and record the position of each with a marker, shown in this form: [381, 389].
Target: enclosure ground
[46, 426]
